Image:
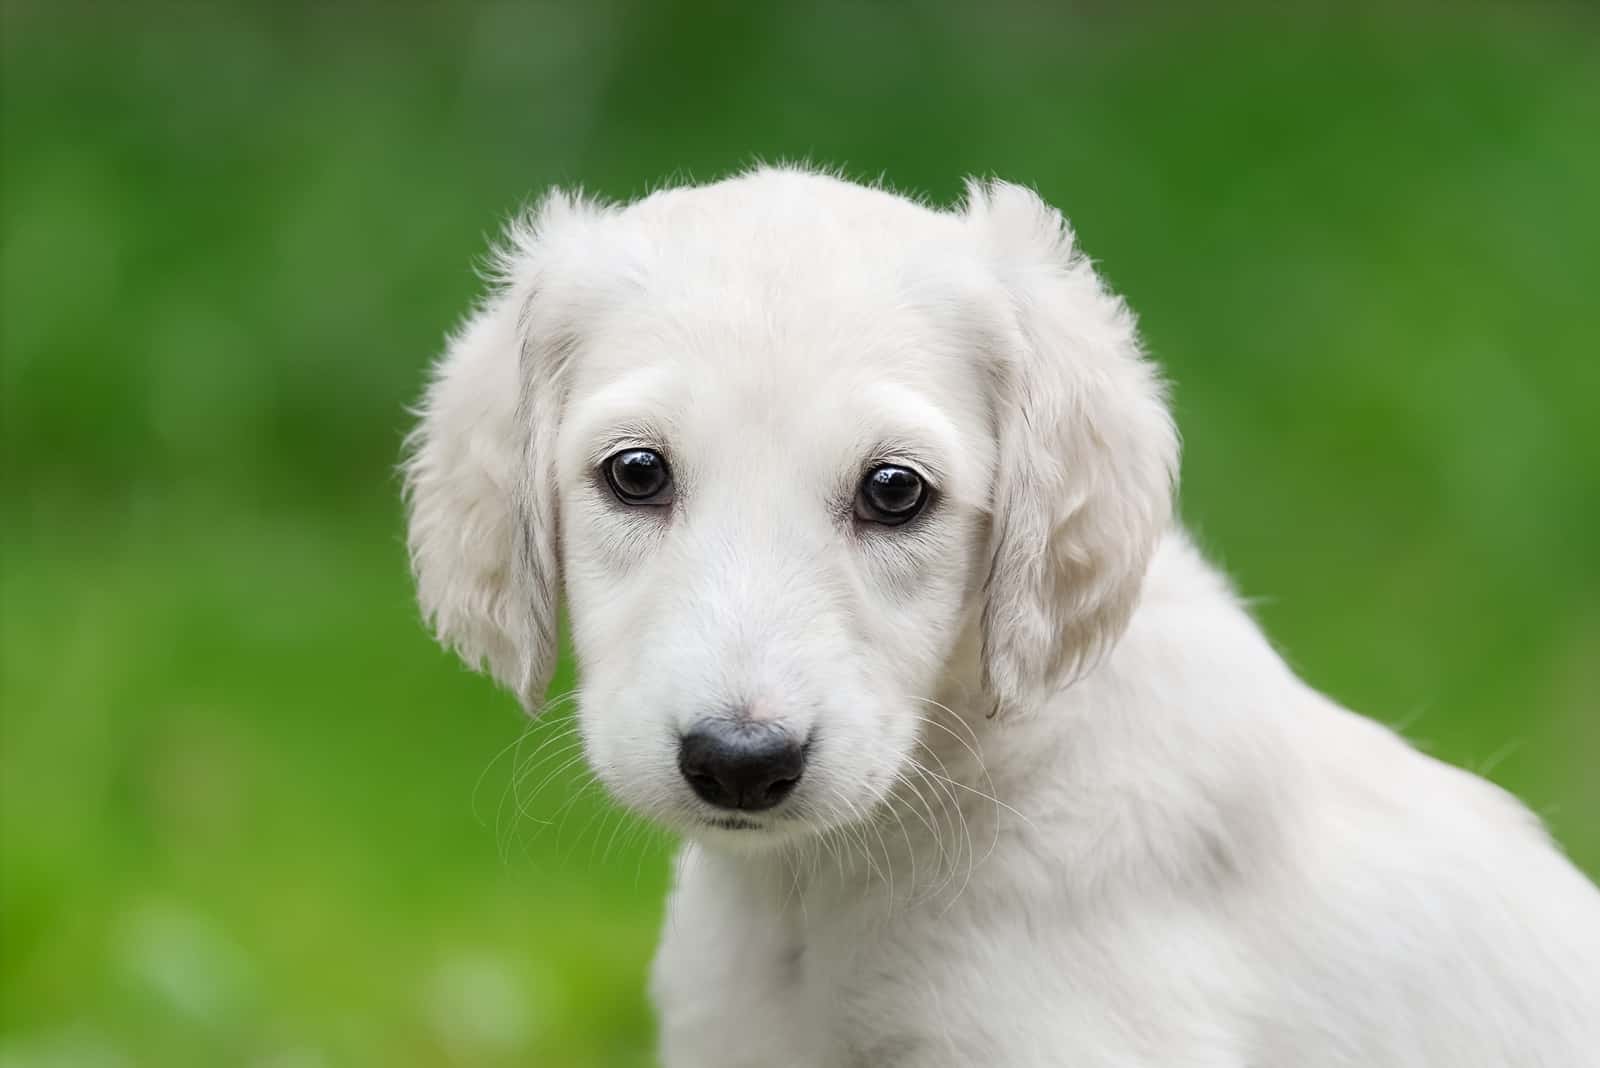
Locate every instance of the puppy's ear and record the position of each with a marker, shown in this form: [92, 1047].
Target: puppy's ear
[1087, 454]
[479, 470]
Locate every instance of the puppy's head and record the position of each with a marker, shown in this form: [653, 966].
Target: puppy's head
[785, 447]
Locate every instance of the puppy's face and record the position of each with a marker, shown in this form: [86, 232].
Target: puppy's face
[772, 528]
[782, 446]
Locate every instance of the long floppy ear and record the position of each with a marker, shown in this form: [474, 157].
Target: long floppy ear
[1087, 454]
[479, 469]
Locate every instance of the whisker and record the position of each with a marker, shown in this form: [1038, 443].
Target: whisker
[956, 819]
[515, 743]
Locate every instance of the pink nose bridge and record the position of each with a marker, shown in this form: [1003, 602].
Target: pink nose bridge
[763, 708]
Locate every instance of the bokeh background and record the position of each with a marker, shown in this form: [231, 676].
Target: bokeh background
[249, 815]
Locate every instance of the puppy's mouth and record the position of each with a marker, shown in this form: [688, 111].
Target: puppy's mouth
[733, 823]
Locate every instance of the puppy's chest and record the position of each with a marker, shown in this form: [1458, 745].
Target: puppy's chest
[835, 980]
[847, 977]
[744, 978]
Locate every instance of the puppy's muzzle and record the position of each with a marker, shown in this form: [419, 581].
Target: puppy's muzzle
[739, 764]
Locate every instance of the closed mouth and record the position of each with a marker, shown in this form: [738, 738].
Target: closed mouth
[733, 823]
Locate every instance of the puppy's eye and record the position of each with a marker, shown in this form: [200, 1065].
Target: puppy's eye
[639, 476]
[890, 495]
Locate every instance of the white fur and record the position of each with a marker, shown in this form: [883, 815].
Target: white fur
[1065, 805]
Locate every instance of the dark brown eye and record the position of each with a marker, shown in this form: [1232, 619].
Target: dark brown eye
[890, 495]
[639, 476]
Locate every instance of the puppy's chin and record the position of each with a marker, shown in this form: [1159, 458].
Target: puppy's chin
[736, 832]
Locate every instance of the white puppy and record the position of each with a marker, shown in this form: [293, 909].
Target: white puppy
[861, 515]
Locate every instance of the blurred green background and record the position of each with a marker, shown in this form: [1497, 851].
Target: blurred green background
[250, 815]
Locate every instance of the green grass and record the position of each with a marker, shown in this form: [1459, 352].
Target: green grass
[221, 747]
[249, 815]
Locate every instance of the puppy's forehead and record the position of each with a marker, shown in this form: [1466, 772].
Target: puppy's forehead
[726, 343]
[787, 285]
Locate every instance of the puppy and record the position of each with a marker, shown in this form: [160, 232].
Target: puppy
[861, 516]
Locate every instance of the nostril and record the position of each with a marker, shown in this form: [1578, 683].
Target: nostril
[706, 786]
[742, 765]
[779, 789]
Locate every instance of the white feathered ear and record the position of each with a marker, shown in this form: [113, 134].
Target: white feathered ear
[479, 471]
[1087, 454]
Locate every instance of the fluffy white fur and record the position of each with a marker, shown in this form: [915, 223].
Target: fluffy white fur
[1064, 805]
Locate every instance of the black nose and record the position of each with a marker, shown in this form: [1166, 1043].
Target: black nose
[734, 764]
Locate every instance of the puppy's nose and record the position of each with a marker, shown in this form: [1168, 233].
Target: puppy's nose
[734, 764]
